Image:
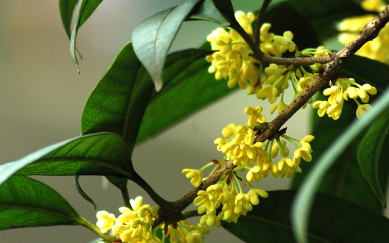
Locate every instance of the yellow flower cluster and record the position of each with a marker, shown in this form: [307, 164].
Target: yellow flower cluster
[240, 146]
[233, 60]
[234, 203]
[184, 232]
[343, 89]
[377, 49]
[133, 225]
[232, 57]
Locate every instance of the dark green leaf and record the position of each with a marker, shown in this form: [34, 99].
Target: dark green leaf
[365, 70]
[346, 222]
[208, 11]
[187, 93]
[87, 7]
[118, 102]
[121, 184]
[369, 152]
[344, 178]
[96, 154]
[25, 202]
[153, 37]
[324, 16]
[81, 191]
[303, 201]
[66, 8]
[283, 17]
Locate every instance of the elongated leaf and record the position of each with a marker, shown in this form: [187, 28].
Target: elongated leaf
[119, 99]
[96, 154]
[87, 7]
[153, 37]
[369, 152]
[82, 192]
[25, 202]
[66, 8]
[118, 102]
[303, 202]
[346, 222]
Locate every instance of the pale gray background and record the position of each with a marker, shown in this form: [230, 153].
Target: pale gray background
[42, 98]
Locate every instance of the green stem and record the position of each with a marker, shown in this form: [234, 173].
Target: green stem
[126, 196]
[166, 205]
[94, 228]
[258, 22]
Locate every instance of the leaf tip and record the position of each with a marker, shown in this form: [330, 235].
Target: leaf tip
[158, 85]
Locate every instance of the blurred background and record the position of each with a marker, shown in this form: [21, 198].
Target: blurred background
[42, 97]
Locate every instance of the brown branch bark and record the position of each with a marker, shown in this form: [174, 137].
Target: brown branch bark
[370, 32]
[297, 61]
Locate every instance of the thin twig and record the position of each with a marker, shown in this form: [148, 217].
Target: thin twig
[258, 22]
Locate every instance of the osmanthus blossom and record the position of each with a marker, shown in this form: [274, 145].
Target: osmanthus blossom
[135, 225]
[257, 158]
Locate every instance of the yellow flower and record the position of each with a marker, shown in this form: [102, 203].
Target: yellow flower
[254, 193]
[304, 82]
[281, 107]
[254, 174]
[265, 35]
[105, 220]
[268, 91]
[245, 21]
[255, 115]
[242, 204]
[196, 175]
[362, 109]
[285, 42]
[373, 5]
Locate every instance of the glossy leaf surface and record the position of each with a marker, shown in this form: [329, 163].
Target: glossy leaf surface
[87, 7]
[369, 155]
[346, 222]
[153, 37]
[96, 154]
[25, 202]
[118, 102]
